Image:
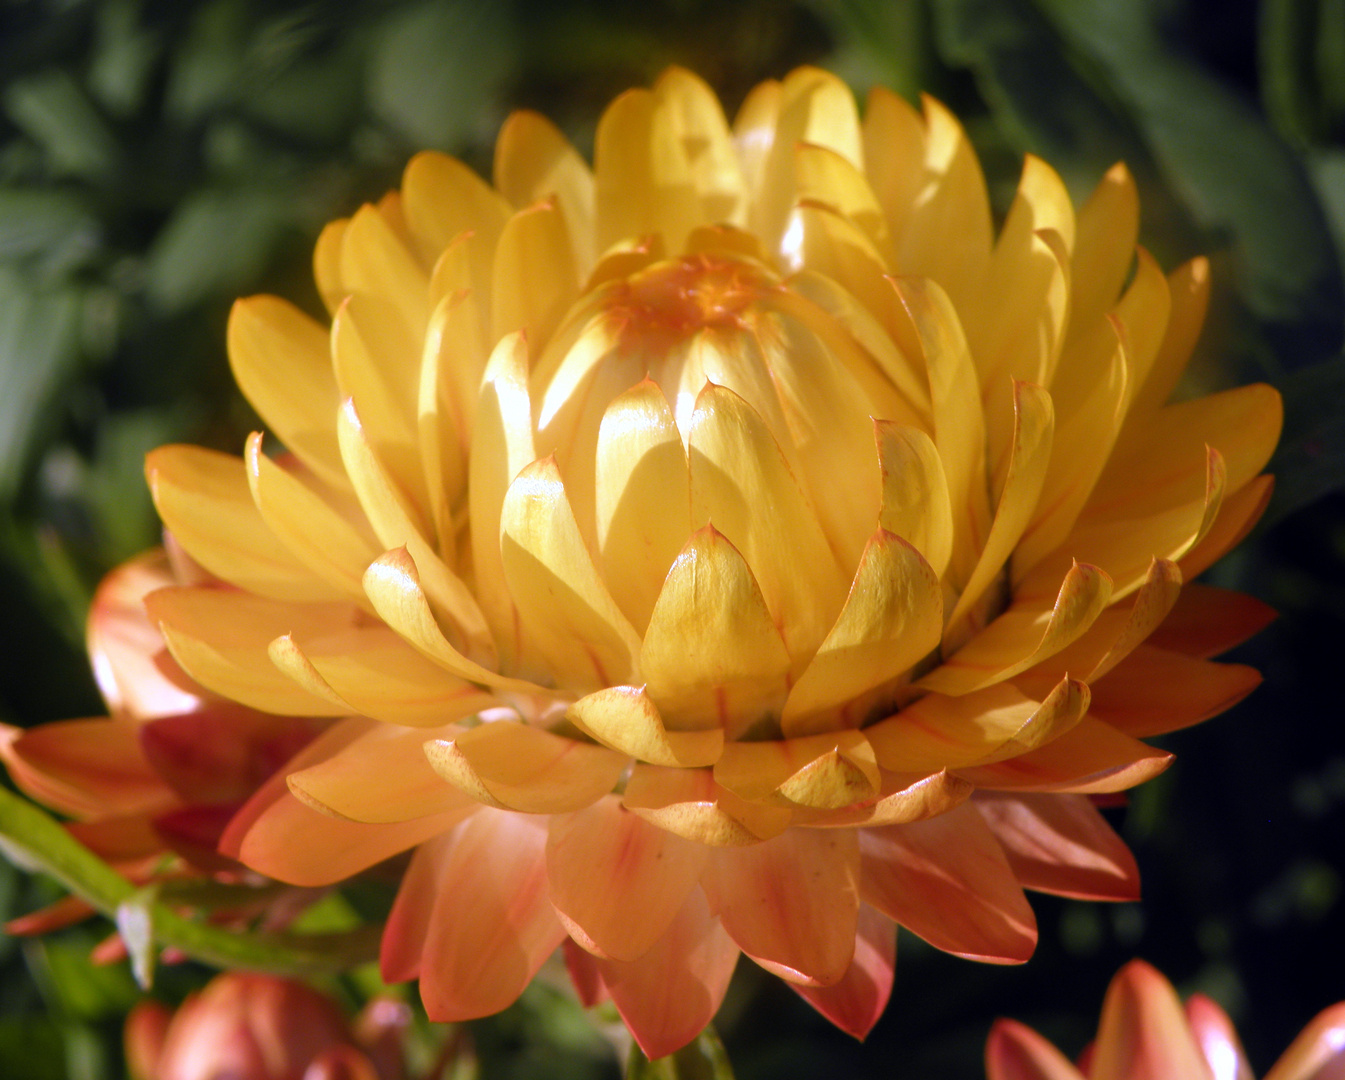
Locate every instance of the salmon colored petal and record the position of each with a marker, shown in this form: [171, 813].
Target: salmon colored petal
[741, 483]
[84, 767]
[1207, 620]
[616, 881]
[947, 880]
[673, 990]
[712, 656]
[791, 903]
[915, 503]
[1026, 634]
[1016, 1052]
[1061, 844]
[132, 843]
[221, 638]
[492, 925]
[626, 719]
[641, 489]
[582, 966]
[856, 1002]
[515, 766]
[979, 728]
[1143, 1034]
[1093, 758]
[892, 618]
[690, 804]
[1317, 1052]
[408, 924]
[1154, 691]
[204, 500]
[381, 777]
[825, 771]
[274, 347]
[1217, 1039]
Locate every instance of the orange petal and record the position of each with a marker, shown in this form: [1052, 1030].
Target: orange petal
[672, 992]
[492, 925]
[1217, 1039]
[1143, 1034]
[856, 1002]
[1061, 844]
[790, 903]
[689, 803]
[604, 863]
[1016, 1052]
[1093, 758]
[1316, 1053]
[408, 924]
[1154, 691]
[514, 766]
[1206, 621]
[86, 768]
[947, 880]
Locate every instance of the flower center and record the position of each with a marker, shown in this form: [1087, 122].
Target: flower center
[674, 300]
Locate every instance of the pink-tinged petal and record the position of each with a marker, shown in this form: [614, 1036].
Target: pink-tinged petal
[947, 880]
[130, 661]
[1060, 844]
[1016, 1052]
[493, 924]
[1143, 1033]
[584, 974]
[408, 924]
[856, 1002]
[124, 839]
[1154, 691]
[673, 990]
[1319, 1051]
[627, 720]
[790, 903]
[1207, 621]
[616, 881]
[514, 766]
[1093, 758]
[85, 768]
[381, 777]
[1217, 1039]
[64, 912]
[689, 803]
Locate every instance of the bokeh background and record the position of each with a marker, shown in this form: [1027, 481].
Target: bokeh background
[160, 157]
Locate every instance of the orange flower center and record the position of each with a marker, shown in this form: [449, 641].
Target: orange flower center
[672, 301]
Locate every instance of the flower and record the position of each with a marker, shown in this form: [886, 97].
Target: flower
[1145, 1034]
[736, 547]
[246, 1026]
[152, 785]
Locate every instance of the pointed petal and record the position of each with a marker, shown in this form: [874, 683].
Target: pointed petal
[626, 719]
[790, 903]
[1218, 1041]
[1189, 289]
[690, 804]
[563, 602]
[1061, 844]
[825, 771]
[902, 799]
[1093, 758]
[536, 277]
[1207, 621]
[408, 923]
[376, 262]
[534, 160]
[1016, 1052]
[513, 766]
[856, 1002]
[1143, 1034]
[1316, 1054]
[492, 925]
[712, 655]
[86, 768]
[442, 197]
[673, 991]
[1104, 250]
[916, 505]
[1154, 691]
[826, 177]
[616, 881]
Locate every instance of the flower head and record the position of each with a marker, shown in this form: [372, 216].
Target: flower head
[733, 547]
[1145, 1034]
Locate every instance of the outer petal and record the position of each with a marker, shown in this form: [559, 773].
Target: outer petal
[669, 994]
[84, 767]
[947, 880]
[689, 803]
[1061, 844]
[1016, 1052]
[1143, 1034]
[791, 903]
[1217, 1039]
[1093, 758]
[533, 160]
[616, 881]
[856, 1002]
[1154, 691]
[492, 923]
[1316, 1054]
[1205, 621]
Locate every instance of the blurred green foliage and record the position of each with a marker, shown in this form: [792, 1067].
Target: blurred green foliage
[159, 158]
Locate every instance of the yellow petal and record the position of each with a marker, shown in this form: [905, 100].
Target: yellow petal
[741, 483]
[536, 277]
[203, 498]
[566, 608]
[327, 264]
[826, 177]
[442, 198]
[1011, 643]
[916, 505]
[1189, 289]
[989, 725]
[825, 772]
[274, 347]
[513, 766]
[697, 118]
[712, 656]
[627, 720]
[689, 803]
[533, 161]
[1104, 252]
[902, 799]
[892, 618]
[375, 261]
[643, 498]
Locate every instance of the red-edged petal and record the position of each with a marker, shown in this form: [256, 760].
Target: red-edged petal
[1218, 1040]
[1016, 1052]
[1143, 1034]
[856, 1002]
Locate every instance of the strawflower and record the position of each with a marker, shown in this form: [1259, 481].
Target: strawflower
[733, 547]
[1145, 1034]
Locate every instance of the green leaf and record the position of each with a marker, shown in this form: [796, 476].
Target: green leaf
[54, 112]
[56, 225]
[703, 1059]
[1310, 461]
